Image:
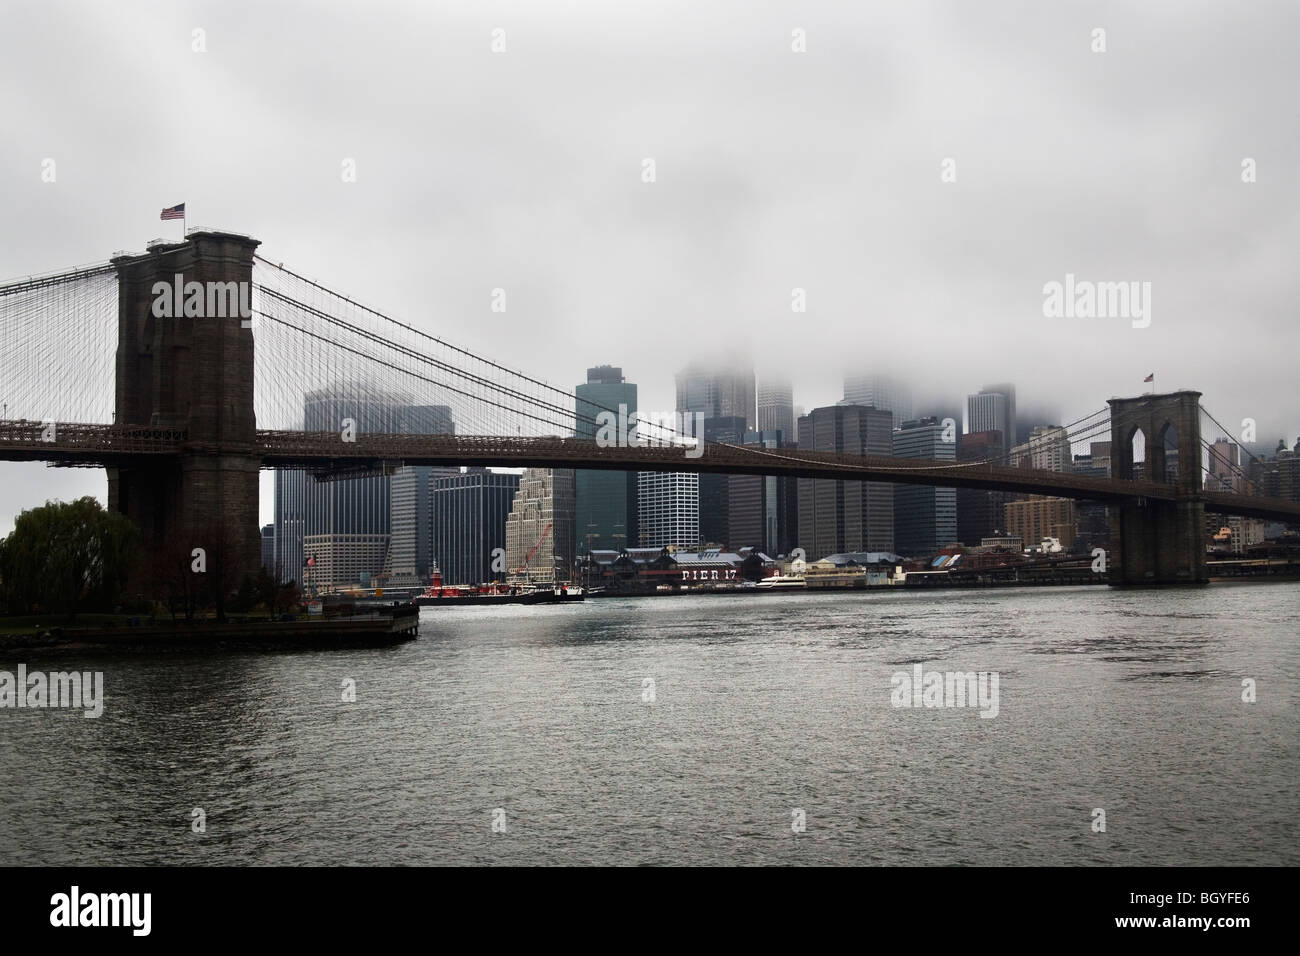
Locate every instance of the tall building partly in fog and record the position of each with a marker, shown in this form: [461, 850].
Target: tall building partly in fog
[605, 501]
[775, 407]
[339, 532]
[993, 408]
[841, 516]
[925, 517]
[331, 534]
[725, 394]
[879, 391]
[539, 528]
[718, 391]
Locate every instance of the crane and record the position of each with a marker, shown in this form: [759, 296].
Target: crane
[533, 550]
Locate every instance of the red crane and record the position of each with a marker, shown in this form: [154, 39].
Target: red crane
[533, 550]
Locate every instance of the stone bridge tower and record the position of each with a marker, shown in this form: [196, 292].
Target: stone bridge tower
[1160, 542]
[193, 372]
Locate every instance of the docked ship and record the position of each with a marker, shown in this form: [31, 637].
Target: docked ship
[438, 594]
[782, 582]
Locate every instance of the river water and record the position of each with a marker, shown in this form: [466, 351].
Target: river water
[695, 730]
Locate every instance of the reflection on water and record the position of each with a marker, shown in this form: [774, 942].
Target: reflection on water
[1127, 701]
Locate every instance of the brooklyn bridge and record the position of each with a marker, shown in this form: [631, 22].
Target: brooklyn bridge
[169, 401]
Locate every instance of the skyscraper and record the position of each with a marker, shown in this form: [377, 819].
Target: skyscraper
[725, 395]
[840, 516]
[717, 391]
[980, 512]
[347, 522]
[715, 526]
[879, 391]
[290, 520]
[1224, 466]
[468, 514]
[268, 548]
[410, 550]
[925, 517]
[605, 501]
[668, 509]
[1047, 448]
[993, 408]
[776, 407]
[763, 510]
[539, 529]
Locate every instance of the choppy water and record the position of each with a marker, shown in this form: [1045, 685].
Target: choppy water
[1126, 701]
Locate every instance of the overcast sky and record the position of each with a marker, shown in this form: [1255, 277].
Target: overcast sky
[774, 170]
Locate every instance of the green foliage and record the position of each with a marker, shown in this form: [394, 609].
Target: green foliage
[256, 591]
[66, 557]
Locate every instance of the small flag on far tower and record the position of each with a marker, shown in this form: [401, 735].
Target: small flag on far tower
[175, 212]
[1150, 378]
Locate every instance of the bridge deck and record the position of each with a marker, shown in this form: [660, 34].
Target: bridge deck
[118, 446]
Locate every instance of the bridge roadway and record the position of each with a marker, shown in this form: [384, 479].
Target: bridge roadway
[327, 455]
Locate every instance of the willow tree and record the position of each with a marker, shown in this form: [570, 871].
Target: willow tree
[66, 557]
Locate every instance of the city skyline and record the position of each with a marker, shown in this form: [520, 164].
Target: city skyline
[953, 296]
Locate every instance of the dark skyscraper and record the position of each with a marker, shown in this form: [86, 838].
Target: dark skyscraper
[841, 516]
[606, 503]
[925, 516]
[469, 514]
[979, 511]
[714, 524]
[763, 510]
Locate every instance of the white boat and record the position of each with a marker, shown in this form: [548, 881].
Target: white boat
[782, 582]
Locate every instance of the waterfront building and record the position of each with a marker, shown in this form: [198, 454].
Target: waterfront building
[1037, 517]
